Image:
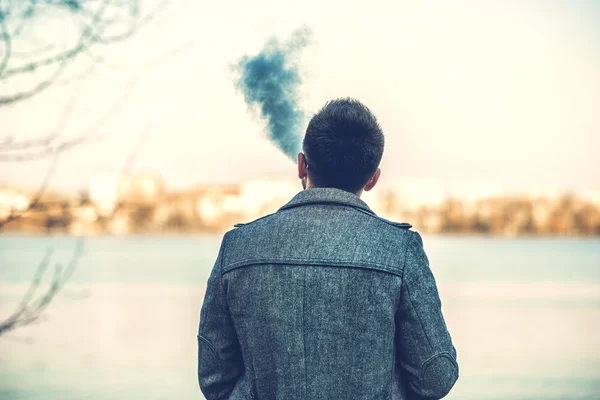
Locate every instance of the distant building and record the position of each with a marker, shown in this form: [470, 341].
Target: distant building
[120, 223]
[141, 189]
[221, 207]
[375, 201]
[177, 212]
[215, 203]
[541, 213]
[263, 196]
[12, 201]
[104, 193]
[590, 196]
[432, 222]
[84, 217]
[411, 194]
[107, 190]
[471, 194]
[549, 193]
[139, 204]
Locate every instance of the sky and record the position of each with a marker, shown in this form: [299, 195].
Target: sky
[504, 92]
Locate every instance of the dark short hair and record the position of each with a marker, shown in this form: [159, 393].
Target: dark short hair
[343, 145]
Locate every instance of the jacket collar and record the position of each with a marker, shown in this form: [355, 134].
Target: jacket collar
[326, 196]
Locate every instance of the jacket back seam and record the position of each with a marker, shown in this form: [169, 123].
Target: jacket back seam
[316, 262]
[304, 333]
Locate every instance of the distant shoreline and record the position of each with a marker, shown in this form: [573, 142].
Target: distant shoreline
[168, 235]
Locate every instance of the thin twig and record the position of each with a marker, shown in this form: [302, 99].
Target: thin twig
[63, 61]
[6, 38]
[38, 196]
[30, 309]
[84, 137]
[53, 135]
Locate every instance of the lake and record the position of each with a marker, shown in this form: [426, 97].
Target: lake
[524, 315]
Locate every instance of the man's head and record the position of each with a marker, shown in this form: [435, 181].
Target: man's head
[342, 148]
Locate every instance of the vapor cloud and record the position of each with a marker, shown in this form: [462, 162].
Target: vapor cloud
[269, 82]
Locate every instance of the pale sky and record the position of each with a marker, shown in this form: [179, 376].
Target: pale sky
[507, 92]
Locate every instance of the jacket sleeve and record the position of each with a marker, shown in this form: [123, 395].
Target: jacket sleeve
[219, 357]
[426, 355]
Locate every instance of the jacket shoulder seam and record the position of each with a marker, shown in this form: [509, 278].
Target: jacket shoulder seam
[401, 225]
[240, 224]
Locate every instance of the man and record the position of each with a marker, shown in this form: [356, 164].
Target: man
[324, 299]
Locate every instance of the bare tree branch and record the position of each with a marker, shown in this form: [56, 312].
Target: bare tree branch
[62, 60]
[147, 64]
[98, 22]
[103, 22]
[30, 308]
[53, 135]
[56, 151]
[50, 148]
[135, 151]
[6, 38]
[26, 16]
[38, 195]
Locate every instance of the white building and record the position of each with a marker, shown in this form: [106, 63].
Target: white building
[12, 200]
[106, 190]
[251, 200]
[143, 188]
[590, 195]
[266, 195]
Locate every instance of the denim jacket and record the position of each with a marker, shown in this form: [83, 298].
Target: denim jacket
[323, 300]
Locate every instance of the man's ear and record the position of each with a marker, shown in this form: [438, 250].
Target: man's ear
[373, 181]
[302, 173]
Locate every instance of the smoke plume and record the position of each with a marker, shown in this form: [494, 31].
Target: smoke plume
[269, 82]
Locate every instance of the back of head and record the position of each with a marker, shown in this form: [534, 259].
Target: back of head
[343, 145]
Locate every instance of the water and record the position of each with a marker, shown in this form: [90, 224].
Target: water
[524, 315]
